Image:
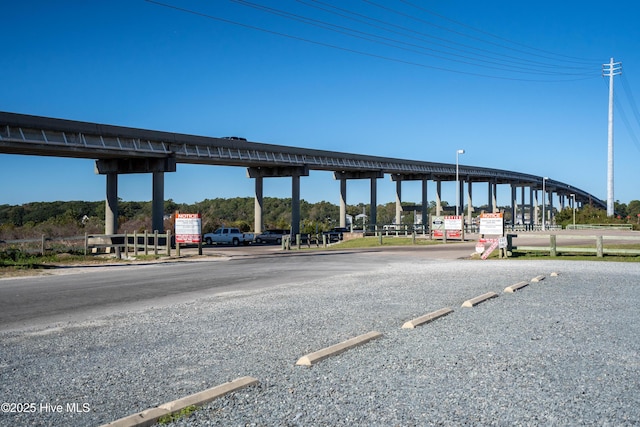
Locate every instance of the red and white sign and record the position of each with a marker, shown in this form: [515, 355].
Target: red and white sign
[454, 234]
[453, 226]
[453, 222]
[492, 224]
[188, 228]
[493, 246]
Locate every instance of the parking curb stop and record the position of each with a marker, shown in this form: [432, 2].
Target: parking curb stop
[319, 355]
[477, 300]
[411, 324]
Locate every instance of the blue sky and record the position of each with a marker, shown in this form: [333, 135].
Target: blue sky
[525, 91]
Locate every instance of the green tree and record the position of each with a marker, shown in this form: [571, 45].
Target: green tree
[620, 209]
[633, 209]
[16, 215]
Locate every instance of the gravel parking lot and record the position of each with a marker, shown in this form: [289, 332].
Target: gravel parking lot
[563, 351]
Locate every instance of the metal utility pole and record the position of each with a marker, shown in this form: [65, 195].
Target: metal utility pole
[609, 70]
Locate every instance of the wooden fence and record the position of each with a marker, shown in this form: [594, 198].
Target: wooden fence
[595, 244]
[129, 243]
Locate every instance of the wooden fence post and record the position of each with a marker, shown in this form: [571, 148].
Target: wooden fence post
[155, 242]
[599, 247]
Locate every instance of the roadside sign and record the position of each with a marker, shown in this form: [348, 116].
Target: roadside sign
[450, 224]
[188, 228]
[492, 224]
[493, 246]
[437, 226]
[453, 226]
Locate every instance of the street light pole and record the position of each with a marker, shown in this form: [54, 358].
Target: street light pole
[544, 201]
[458, 152]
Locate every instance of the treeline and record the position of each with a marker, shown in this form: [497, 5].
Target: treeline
[60, 219]
[625, 214]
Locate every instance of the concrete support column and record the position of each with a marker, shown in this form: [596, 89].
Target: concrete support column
[469, 203]
[156, 166]
[157, 202]
[531, 217]
[258, 205]
[425, 204]
[551, 207]
[536, 208]
[494, 200]
[111, 205]
[278, 172]
[522, 205]
[295, 205]
[438, 198]
[398, 202]
[343, 203]
[514, 204]
[490, 197]
[374, 201]
[373, 176]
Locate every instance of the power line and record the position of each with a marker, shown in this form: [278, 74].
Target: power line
[386, 41]
[629, 94]
[413, 17]
[627, 124]
[465, 48]
[581, 60]
[360, 52]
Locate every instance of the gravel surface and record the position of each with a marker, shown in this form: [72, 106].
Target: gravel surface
[563, 351]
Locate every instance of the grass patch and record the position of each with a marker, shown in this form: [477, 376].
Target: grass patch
[148, 257]
[183, 413]
[30, 261]
[374, 242]
[14, 262]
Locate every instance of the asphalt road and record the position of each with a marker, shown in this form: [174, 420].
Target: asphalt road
[78, 293]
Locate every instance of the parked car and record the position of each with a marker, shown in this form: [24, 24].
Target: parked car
[272, 236]
[229, 236]
[336, 233]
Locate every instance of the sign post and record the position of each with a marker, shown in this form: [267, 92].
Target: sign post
[492, 224]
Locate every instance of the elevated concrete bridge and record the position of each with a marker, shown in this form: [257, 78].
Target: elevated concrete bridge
[120, 150]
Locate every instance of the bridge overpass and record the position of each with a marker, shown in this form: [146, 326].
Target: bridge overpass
[121, 150]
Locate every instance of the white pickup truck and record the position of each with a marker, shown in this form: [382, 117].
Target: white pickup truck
[228, 236]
